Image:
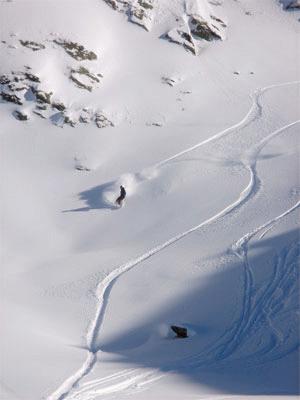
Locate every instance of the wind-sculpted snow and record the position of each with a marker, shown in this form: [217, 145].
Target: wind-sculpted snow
[252, 312]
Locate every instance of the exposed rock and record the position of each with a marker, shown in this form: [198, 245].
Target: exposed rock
[4, 79]
[180, 331]
[157, 124]
[76, 50]
[32, 77]
[112, 3]
[85, 116]
[58, 106]
[102, 121]
[32, 45]
[12, 98]
[17, 86]
[182, 36]
[199, 24]
[41, 96]
[81, 168]
[201, 29]
[39, 113]
[79, 165]
[219, 20]
[215, 3]
[41, 106]
[83, 78]
[140, 12]
[70, 121]
[20, 115]
[170, 81]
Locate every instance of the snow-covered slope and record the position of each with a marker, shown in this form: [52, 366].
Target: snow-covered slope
[204, 136]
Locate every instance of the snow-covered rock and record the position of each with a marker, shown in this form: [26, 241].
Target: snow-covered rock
[140, 12]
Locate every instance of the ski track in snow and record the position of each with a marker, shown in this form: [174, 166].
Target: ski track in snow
[105, 286]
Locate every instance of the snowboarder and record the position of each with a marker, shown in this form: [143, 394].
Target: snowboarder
[122, 196]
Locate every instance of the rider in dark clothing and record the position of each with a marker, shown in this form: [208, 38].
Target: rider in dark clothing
[122, 196]
[123, 192]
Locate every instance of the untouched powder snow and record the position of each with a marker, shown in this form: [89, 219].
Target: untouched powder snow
[204, 136]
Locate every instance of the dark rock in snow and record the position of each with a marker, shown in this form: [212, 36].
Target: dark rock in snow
[21, 116]
[140, 12]
[4, 79]
[83, 78]
[182, 36]
[41, 96]
[76, 50]
[41, 106]
[85, 116]
[81, 168]
[12, 98]
[102, 122]
[202, 30]
[180, 331]
[58, 106]
[68, 120]
[39, 113]
[32, 45]
[32, 77]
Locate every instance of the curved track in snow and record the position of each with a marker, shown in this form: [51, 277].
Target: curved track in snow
[105, 286]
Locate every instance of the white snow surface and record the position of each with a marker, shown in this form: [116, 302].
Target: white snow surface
[208, 236]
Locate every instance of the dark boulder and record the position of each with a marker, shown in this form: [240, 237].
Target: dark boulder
[180, 331]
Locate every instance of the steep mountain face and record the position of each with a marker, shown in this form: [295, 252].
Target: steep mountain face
[192, 106]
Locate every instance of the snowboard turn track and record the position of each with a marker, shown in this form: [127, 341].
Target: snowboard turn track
[229, 341]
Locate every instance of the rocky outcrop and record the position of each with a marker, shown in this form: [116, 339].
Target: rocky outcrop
[85, 116]
[142, 13]
[102, 121]
[76, 50]
[84, 79]
[41, 96]
[139, 12]
[20, 115]
[26, 88]
[198, 25]
[182, 36]
[34, 46]
[11, 98]
[58, 106]
[201, 29]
